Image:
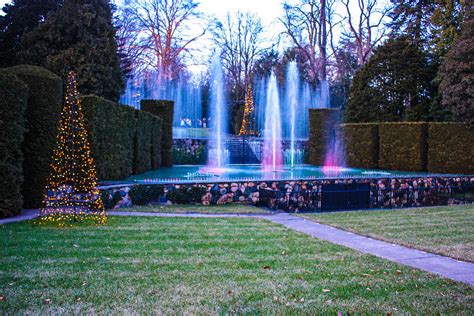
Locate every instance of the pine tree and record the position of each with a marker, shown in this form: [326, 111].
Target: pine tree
[457, 72]
[395, 85]
[71, 193]
[21, 17]
[248, 121]
[79, 36]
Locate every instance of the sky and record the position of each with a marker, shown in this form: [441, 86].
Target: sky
[267, 10]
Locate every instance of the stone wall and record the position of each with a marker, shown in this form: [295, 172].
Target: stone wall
[306, 195]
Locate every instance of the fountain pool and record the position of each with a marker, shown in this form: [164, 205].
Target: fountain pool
[239, 173]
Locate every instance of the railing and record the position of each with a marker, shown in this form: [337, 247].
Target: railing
[320, 200]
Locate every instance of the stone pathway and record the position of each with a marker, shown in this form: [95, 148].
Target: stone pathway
[25, 215]
[443, 266]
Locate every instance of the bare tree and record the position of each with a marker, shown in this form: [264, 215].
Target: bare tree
[166, 29]
[365, 26]
[308, 26]
[128, 41]
[240, 41]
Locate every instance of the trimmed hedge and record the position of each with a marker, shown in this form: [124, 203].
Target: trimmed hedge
[361, 144]
[42, 114]
[111, 130]
[13, 104]
[143, 141]
[321, 130]
[163, 109]
[156, 137]
[403, 146]
[124, 141]
[451, 148]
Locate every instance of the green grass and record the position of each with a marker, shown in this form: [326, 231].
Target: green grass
[210, 209]
[185, 265]
[445, 230]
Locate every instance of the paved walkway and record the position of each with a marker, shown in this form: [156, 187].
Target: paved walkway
[443, 266]
[25, 215]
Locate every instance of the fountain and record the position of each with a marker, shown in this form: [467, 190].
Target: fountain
[292, 90]
[272, 154]
[217, 158]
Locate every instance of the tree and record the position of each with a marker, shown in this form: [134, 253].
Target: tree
[79, 36]
[365, 26]
[21, 17]
[164, 32]
[411, 18]
[394, 85]
[248, 121]
[434, 24]
[306, 24]
[240, 43]
[71, 193]
[457, 70]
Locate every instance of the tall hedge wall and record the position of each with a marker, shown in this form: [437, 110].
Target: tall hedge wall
[163, 109]
[450, 148]
[321, 131]
[42, 114]
[403, 146]
[112, 133]
[13, 104]
[143, 142]
[156, 136]
[361, 142]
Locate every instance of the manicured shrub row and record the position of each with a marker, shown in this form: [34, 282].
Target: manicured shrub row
[143, 140]
[164, 110]
[403, 146]
[124, 141]
[186, 195]
[13, 104]
[156, 138]
[410, 146]
[321, 131]
[450, 148]
[42, 114]
[112, 134]
[361, 144]
[144, 194]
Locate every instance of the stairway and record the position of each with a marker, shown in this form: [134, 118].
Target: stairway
[240, 152]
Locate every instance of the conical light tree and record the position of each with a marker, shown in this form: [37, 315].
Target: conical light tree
[248, 120]
[71, 194]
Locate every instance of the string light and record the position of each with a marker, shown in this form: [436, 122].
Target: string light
[248, 120]
[71, 194]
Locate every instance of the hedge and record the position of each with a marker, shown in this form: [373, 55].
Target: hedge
[163, 109]
[111, 133]
[42, 114]
[403, 146]
[13, 104]
[156, 137]
[361, 143]
[143, 141]
[451, 148]
[321, 131]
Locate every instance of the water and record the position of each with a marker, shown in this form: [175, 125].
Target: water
[272, 153]
[219, 123]
[194, 174]
[185, 91]
[292, 90]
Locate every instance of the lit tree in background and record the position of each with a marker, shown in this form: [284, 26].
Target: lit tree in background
[248, 121]
[71, 194]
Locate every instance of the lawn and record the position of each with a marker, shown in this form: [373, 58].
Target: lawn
[184, 265]
[210, 209]
[445, 230]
